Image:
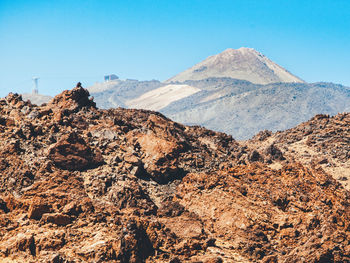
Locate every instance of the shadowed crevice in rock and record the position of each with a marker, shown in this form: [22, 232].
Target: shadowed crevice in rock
[137, 249]
[169, 175]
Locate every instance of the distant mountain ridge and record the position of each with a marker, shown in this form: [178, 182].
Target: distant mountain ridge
[243, 63]
[234, 105]
[239, 92]
[245, 109]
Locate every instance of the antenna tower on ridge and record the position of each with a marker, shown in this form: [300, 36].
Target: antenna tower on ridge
[35, 87]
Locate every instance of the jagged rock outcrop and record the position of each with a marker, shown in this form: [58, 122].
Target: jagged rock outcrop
[73, 100]
[79, 184]
[322, 141]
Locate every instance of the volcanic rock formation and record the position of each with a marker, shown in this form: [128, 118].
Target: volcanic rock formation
[323, 141]
[79, 184]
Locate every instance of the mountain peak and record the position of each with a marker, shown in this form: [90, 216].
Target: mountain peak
[244, 49]
[243, 63]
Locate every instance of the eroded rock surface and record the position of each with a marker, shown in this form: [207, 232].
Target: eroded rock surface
[71, 152]
[322, 141]
[79, 184]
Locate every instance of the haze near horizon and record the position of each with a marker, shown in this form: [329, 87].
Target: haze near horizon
[65, 42]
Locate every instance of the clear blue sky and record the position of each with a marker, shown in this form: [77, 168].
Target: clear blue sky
[64, 42]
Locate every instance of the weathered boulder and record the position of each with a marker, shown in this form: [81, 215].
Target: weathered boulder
[73, 153]
[274, 153]
[26, 242]
[72, 100]
[37, 208]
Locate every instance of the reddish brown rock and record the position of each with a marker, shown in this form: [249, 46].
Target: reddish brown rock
[80, 184]
[26, 242]
[51, 241]
[73, 153]
[37, 209]
[72, 100]
[160, 150]
[214, 260]
[130, 195]
[14, 99]
[56, 218]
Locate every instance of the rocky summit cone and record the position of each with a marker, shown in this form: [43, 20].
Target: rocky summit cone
[243, 63]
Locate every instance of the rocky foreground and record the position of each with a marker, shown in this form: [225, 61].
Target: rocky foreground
[79, 184]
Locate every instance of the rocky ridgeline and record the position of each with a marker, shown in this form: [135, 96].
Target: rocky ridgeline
[323, 141]
[79, 184]
[326, 135]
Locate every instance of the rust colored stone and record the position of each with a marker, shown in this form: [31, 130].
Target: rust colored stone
[79, 184]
